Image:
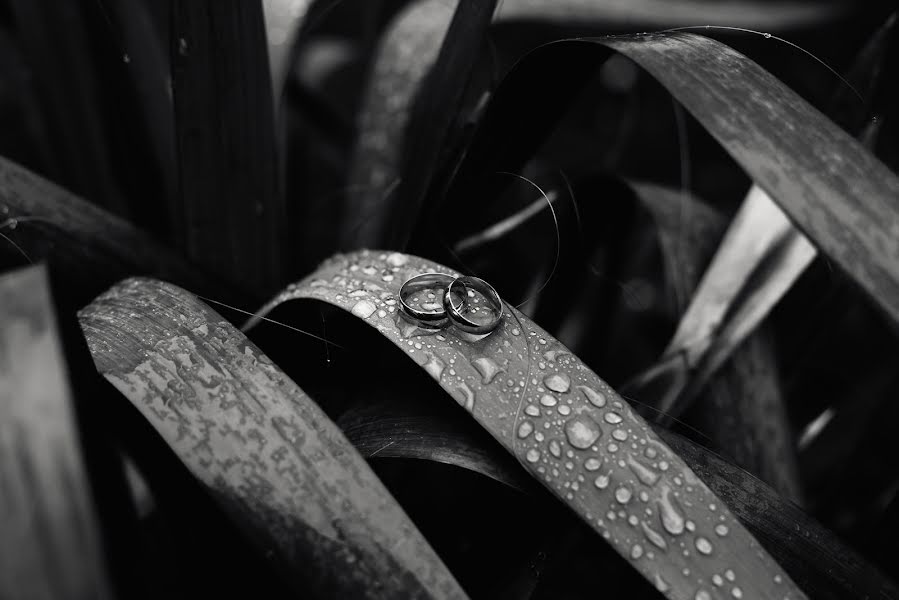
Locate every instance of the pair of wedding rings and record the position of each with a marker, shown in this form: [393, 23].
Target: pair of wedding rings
[452, 310]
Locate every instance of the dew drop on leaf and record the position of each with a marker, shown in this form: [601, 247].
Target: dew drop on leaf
[672, 520]
[612, 418]
[557, 383]
[595, 398]
[703, 545]
[623, 495]
[525, 429]
[582, 432]
[533, 455]
[364, 309]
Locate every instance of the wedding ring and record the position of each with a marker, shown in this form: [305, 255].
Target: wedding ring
[454, 311]
[428, 319]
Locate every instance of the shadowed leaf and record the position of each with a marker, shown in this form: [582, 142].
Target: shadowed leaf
[51, 542]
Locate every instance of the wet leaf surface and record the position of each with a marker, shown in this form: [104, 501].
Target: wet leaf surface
[265, 452]
[568, 428]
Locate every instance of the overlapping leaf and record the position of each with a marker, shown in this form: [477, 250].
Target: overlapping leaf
[568, 428]
[266, 453]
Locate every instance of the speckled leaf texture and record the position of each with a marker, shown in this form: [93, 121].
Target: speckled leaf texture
[570, 430]
[266, 452]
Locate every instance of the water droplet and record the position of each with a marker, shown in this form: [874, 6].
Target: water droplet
[595, 398]
[548, 400]
[650, 452]
[592, 464]
[623, 495]
[555, 448]
[532, 410]
[653, 536]
[778, 579]
[717, 580]
[525, 429]
[533, 455]
[643, 472]
[636, 551]
[671, 518]
[397, 260]
[703, 545]
[601, 481]
[434, 366]
[487, 368]
[702, 595]
[557, 383]
[620, 435]
[730, 575]
[767, 35]
[721, 529]
[612, 418]
[736, 592]
[126, 59]
[364, 309]
[661, 584]
[516, 331]
[582, 432]
[465, 396]
[691, 526]
[564, 410]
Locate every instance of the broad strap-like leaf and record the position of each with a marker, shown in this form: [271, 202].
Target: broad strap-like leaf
[50, 547]
[569, 429]
[834, 190]
[231, 198]
[407, 428]
[265, 451]
[662, 13]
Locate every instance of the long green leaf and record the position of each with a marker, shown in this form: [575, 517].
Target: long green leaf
[266, 452]
[569, 429]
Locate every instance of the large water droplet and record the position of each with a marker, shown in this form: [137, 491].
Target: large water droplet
[364, 309]
[672, 519]
[582, 432]
[636, 551]
[547, 400]
[612, 418]
[721, 529]
[532, 410]
[555, 448]
[653, 536]
[397, 260]
[592, 464]
[533, 455]
[736, 592]
[703, 545]
[487, 368]
[595, 398]
[702, 595]
[525, 429]
[557, 383]
[645, 474]
[602, 481]
[623, 495]
[465, 396]
[434, 366]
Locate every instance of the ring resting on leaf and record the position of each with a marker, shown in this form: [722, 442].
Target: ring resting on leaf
[453, 311]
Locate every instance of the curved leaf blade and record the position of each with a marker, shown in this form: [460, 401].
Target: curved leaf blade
[568, 428]
[267, 453]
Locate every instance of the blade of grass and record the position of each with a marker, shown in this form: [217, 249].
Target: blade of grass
[283, 20]
[91, 247]
[233, 209]
[792, 536]
[57, 47]
[51, 542]
[835, 191]
[401, 141]
[265, 452]
[567, 427]
[659, 13]
[408, 50]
